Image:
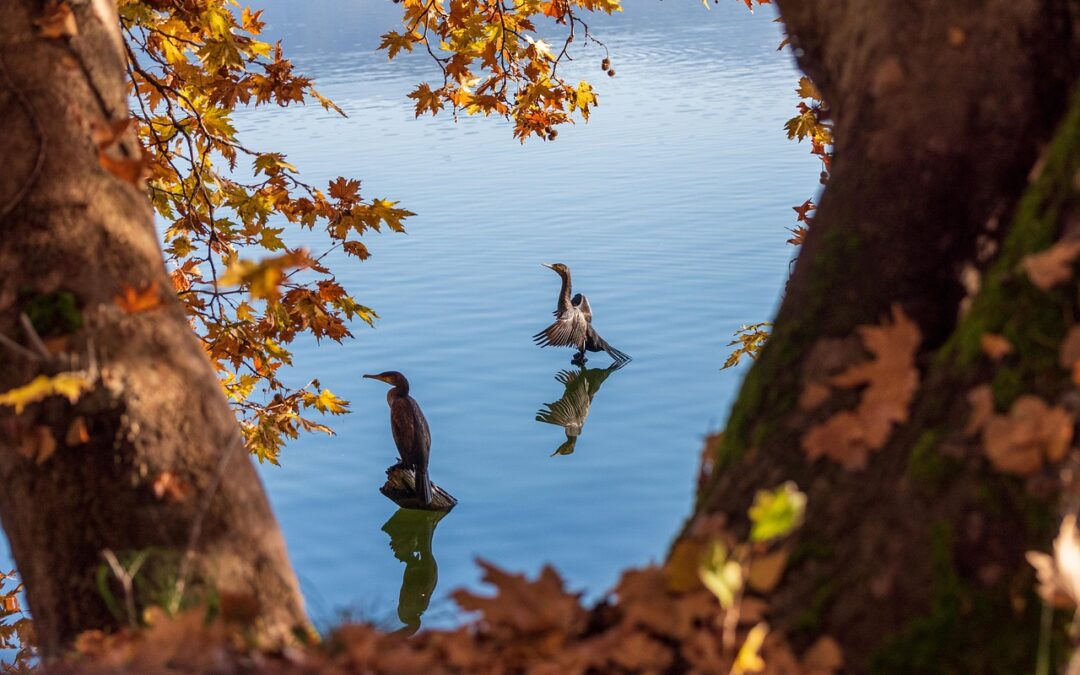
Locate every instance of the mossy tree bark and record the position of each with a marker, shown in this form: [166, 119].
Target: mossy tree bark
[149, 462]
[946, 168]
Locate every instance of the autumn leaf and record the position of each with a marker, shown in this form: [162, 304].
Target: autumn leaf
[1059, 575]
[890, 380]
[169, 487]
[776, 513]
[1048, 268]
[824, 657]
[722, 575]
[522, 607]
[36, 444]
[749, 341]
[981, 401]
[134, 301]
[765, 571]
[71, 385]
[77, 433]
[394, 42]
[748, 660]
[57, 21]
[1030, 435]
[995, 346]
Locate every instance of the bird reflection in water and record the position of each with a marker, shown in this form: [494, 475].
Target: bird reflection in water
[570, 411]
[411, 532]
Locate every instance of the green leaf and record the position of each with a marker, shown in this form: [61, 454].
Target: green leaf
[776, 513]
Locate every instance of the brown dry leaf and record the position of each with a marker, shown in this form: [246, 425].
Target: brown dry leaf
[890, 377]
[123, 162]
[813, 395]
[766, 570]
[1059, 575]
[524, 607]
[170, 487]
[637, 652]
[1048, 268]
[981, 400]
[646, 604]
[1032, 433]
[133, 301]
[824, 657]
[76, 433]
[995, 346]
[841, 438]
[131, 170]
[10, 604]
[57, 21]
[681, 568]
[36, 444]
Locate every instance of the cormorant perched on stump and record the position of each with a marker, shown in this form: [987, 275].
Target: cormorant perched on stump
[411, 434]
[573, 324]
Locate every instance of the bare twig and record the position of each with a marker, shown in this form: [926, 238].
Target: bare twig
[127, 578]
[33, 337]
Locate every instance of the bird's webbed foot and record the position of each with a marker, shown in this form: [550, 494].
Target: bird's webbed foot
[579, 359]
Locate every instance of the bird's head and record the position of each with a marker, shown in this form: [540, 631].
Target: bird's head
[560, 268]
[390, 377]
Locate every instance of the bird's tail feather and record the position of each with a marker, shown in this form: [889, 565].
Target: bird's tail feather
[423, 485]
[601, 343]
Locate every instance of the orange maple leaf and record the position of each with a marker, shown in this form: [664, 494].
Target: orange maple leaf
[890, 378]
[133, 301]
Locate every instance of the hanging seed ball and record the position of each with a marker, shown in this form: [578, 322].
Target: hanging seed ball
[611, 72]
[605, 64]
[553, 135]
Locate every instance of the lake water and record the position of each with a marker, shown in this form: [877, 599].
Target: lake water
[670, 206]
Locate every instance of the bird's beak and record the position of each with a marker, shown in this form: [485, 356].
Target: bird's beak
[547, 265]
[375, 377]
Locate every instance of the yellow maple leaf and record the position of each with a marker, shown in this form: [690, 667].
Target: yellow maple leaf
[70, 385]
[748, 659]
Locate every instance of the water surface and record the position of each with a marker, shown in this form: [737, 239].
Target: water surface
[670, 206]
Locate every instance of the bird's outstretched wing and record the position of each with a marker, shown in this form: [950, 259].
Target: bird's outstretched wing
[595, 343]
[582, 303]
[569, 330]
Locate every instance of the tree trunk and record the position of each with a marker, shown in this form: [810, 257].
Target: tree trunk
[915, 563]
[148, 464]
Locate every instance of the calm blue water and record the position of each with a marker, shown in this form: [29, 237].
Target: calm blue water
[670, 207]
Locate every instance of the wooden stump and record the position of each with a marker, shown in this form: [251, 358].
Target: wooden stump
[400, 488]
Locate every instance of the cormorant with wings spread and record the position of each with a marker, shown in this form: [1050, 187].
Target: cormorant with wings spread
[573, 324]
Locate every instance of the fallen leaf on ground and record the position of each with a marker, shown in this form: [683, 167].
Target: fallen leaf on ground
[524, 607]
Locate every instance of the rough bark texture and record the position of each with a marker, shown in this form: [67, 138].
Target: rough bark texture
[156, 414]
[941, 110]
